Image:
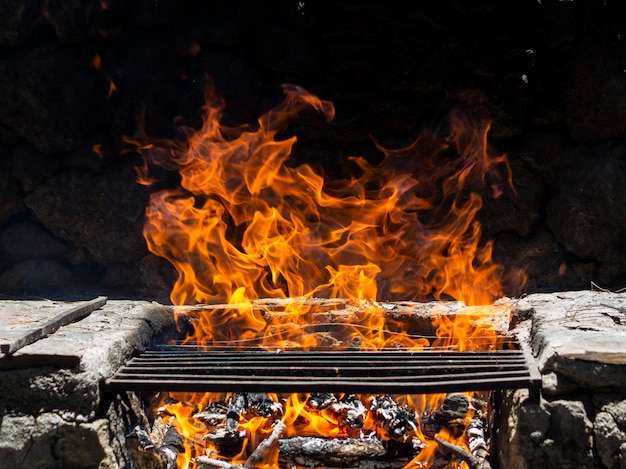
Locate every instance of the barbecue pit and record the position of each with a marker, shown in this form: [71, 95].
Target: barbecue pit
[59, 389]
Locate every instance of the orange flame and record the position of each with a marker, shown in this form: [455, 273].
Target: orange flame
[245, 225]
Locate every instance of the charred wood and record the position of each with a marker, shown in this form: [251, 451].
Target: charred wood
[171, 446]
[472, 461]
[314, 451]
[227, 443]
[351, 412]
[449, 416]
[213, 415]
[204, 462]
[321, 400]
[267, 446]
[236, 407]
[397, 420]
[477, 442]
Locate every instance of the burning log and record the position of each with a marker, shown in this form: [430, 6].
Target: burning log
[454, 408]
[396, 420]
[204, 462]
[477, 442]
[229, 440]
[212, 415]
[314, 451]
[450, 416]
[236, 407]
[351, 412]
[321, 400]
[171, 445]
[472, 461]
[268, 445]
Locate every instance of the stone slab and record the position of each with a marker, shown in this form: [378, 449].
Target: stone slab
[579, 336]
[64, 370]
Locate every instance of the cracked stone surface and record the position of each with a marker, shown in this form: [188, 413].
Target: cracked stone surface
[52, 411]
[579, 342]
[579, 339]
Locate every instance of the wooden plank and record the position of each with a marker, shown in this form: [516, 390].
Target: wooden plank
[67, 316]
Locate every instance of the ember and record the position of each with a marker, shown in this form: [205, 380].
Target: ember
[246, 226]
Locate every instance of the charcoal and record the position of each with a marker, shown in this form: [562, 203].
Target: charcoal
[171, 446]
[454, 406]
[213, 414]
[227, 443]
[143, 437]
[262, 405]
[236, 406]
[173, 439]
[450, 416]
[397, 420]
[321, 400]
[351, 411]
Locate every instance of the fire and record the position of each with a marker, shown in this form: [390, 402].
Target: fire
[245, 225]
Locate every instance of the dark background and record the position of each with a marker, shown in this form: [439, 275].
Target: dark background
[75, 77]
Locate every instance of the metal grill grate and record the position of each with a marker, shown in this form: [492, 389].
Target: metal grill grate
[189, 368]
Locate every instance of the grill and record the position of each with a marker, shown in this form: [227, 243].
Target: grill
[190, 368]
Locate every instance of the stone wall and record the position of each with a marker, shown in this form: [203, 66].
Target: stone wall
[75, 77]
[578, 420]
[53, 412]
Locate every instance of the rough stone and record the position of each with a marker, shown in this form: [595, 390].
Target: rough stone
[571, 430]
[49, 441]
[595, 91]
[11, 201]
[578, 341]
[101, 213]
[50, 97]
[38, 277]
[98, 344]
[581, 336]
[18, 18]
[57, 416]
[30, 167]
[528, 422]
[73, 20]
[585, 214]
[26, 240]
[608, 439]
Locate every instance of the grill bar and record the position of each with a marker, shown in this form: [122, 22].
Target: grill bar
[182, 368]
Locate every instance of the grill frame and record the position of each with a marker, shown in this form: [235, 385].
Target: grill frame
[189, 368]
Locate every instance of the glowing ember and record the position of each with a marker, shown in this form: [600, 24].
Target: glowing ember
[244, 226]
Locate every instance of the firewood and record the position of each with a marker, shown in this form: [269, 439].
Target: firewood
[351, 412]
[227, 442]
[213, 414]
[321, 400]
[204, 462]
[268, 445]
[450, 415]
[477, 443]
[472, 461]
[171, 445]
[398, 421]
[236, 407]
[315, 451]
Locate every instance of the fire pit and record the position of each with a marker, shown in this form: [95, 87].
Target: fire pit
[383, 405]
[295, 208]
[55, 413]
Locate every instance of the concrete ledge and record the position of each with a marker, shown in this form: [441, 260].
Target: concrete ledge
[579, 339]
[63, 371]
